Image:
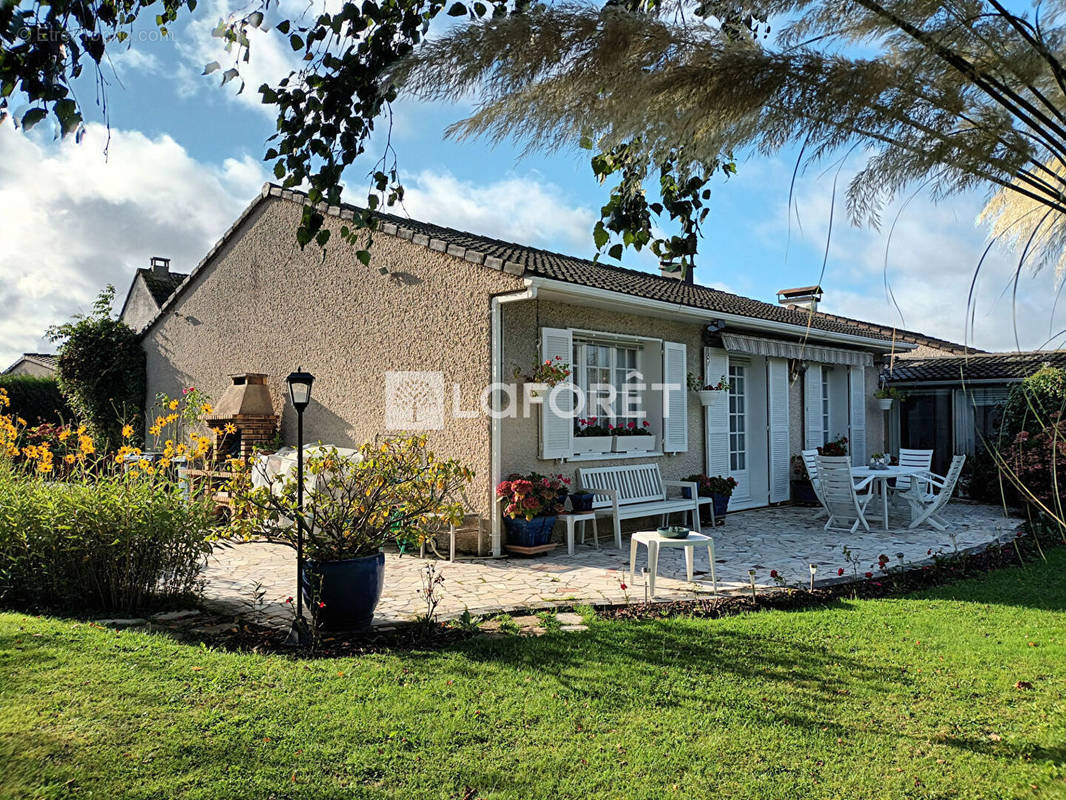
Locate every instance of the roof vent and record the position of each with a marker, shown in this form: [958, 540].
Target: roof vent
[805, 297]
[160, 265]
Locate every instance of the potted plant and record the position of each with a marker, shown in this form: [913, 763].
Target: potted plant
[802, 488]
[393, 489]
[633, 438]
[878, 461]
[720, 489]
[592, 436]
[708, 392]
[530, 506]
[886, 395]
[550, 372]
[834, 447]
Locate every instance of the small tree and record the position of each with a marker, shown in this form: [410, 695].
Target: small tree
[101, 370]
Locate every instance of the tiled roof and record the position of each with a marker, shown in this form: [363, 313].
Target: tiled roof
[901, 335]
[161, 286]
[532, 261]
[981, 366]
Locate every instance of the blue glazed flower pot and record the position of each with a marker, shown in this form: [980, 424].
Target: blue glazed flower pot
[350, 590]
[529, 532]
[582, 501]
[721, 505]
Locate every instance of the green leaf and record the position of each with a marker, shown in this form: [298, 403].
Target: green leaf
[69, 117]
[323, 237]
[283, 26]
[364, 257]
[32, 117]
[296, 42]
[457, 10]
[279, 170]
[616, 252]
[211, 67]
[255, 19]
[600, 235]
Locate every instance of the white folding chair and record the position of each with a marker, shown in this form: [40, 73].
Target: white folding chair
[926, 507]
[810, 461]
[921, 459]
[840, 493]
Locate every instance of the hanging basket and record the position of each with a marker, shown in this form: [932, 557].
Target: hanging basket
[884, 403]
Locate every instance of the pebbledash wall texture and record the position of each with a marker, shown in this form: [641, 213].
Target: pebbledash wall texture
[260, 304]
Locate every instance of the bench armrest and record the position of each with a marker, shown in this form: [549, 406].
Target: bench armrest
[690, 485]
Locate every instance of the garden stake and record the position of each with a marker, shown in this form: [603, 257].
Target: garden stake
[644, 574]
[751, 577]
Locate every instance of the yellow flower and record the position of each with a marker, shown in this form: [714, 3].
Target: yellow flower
[20, 421]
[206, 408]
[69, 458]
[160, 421]
[230, 428]
[173, 405]
[216, 431]
[64, 434]
[172, 418]
[164, 463]
[127, 431]
[154, 430]
[85, 444]
[180, 449]
[150, 469]
[81, 430]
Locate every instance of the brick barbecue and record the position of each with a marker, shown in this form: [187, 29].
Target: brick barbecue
[246, 403]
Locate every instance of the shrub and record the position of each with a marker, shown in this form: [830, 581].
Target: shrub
[118, 542]
[101, 370]
[35, 399]
[1034, 403]
[1036, 468]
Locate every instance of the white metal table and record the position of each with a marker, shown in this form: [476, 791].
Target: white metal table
[653, 540]
[880, 479]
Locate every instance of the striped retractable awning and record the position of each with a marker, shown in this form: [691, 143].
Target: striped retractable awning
[759, 346]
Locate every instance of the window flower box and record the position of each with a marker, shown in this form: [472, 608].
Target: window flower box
[593, 444]
[640, 443]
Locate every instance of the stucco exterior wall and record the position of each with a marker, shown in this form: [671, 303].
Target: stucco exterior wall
[263, 305]
[521, 437]
[140, 306]
[27, 367]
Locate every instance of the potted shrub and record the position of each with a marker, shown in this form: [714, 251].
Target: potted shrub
[721, 489]
[592, 436]
[633, 438]
[531, 504]
[393, 489]
[708, 392]
[834, 447]
[886, 395]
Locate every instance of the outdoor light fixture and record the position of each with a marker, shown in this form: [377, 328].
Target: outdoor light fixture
[814, 569]
[300, 388]
[300, 395]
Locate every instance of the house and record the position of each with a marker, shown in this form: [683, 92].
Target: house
[39, 365]
[954, 404]
[431, 334]
[148, 291]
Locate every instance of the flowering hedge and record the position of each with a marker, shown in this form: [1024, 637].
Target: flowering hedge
[1035, 467]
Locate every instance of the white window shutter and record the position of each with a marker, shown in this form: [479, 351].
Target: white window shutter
[675, 398]
[812, 406]
[716, 415]
[780, 463]
[857, 421]
[556, 411]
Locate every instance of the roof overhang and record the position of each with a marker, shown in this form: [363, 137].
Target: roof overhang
[550, 289]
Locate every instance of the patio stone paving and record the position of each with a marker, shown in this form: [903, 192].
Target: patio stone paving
[785, 539]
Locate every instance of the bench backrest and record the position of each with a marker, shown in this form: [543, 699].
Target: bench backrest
[635, 483]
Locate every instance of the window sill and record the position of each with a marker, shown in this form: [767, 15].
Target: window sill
[615, 456]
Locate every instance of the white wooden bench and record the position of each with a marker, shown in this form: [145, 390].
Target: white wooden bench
[637, 490]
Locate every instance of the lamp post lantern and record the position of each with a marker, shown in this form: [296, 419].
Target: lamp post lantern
[300, 395]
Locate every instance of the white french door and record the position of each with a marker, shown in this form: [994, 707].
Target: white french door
[739, 433]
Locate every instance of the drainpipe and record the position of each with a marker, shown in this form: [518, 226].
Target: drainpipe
[496, 347]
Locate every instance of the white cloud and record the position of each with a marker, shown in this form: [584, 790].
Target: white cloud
[74, 221]
[523, 209]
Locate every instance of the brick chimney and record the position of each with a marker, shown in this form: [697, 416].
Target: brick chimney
[803, 297]
[160, 265]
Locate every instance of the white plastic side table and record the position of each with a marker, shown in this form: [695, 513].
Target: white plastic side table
[573, 517]
[653, 540]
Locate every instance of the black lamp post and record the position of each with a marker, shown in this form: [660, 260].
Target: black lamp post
[300, 395]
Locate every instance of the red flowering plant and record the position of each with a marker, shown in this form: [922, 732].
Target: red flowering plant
[592, 427]
[834, 447]
[551, 371]
[532, 495]
[630, 429]
[1035, 465]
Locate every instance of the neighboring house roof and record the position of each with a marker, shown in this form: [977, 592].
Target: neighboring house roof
[47, 360]
[901, 335]
[526, 261]
[1005, 367]
[161, 286]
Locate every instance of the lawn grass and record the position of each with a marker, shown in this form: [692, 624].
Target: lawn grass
[913, 697]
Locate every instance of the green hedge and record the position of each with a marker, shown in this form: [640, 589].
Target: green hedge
[35, 399]
[115, 543]
[1034, 404]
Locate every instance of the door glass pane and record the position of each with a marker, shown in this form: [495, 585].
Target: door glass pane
[738, 448]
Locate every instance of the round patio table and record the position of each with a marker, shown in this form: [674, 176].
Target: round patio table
[880, 479]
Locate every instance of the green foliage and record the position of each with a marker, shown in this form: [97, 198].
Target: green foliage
[101, 370]
[393, 489]
[1034, 403]
[117, 542]
[911, 697]
[35, 399]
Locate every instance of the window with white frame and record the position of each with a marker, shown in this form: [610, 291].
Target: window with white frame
[600, 364]
[825, 405]
[738, 436]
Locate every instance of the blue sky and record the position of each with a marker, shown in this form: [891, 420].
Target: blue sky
[184, 159]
